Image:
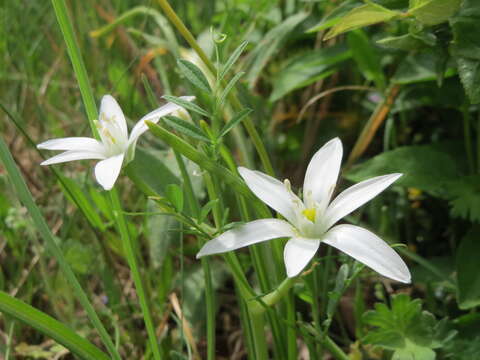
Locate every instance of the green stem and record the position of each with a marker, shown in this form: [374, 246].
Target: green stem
[210, 305]
[134, 268]
[26, 198]
[334, 349]
[77, 62]
[467, 136]
[258, 330]
[248, 123]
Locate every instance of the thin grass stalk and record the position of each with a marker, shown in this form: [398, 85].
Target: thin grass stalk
[27, 199]
[78, 65]
[135, 270]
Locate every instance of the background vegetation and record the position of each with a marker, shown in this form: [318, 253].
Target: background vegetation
[398, 81]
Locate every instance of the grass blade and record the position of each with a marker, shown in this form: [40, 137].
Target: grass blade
[50, 327]
[26, 198]
[232, 60]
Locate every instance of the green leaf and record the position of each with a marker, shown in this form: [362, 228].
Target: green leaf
[433, 12]
[405, 42]
[229, 87]
[174, 194]
[186, 104]
[194, 75]
[206, 209]
[270, 44]
[420, 67]
[307, 68]
[232, 60]
[465, 47]
[425, 167]
[149, 173]
[464, 196]
[185, 128]
[366, 57]
[234, 121]
[50, 327]
[361, 16]
[469, 71]
[467, 270]
[335, 16]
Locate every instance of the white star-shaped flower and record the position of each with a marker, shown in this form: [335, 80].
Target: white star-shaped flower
[116, 146]
[310, 222]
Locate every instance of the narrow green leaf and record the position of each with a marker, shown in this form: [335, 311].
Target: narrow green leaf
[50, 327]
[174, 194]
[194, 75]
[234, 121]
[186, 128]
[361, 16]
[202, 160]
[186, 104]
[206, 209]
[232, 60]
[229, 87]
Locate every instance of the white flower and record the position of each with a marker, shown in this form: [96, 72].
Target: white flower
[115, 147]
[309, 222]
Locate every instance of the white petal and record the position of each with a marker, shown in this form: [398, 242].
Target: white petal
[111, 110]
[297, 253]
[247, 234]
[369, 249]
[72, 155]
[73, 143]
[107, 171]
[357, 195]
[154, 116]
[322, 173]
[272, 192]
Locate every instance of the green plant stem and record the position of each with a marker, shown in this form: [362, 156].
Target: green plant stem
[77, 62]
[468, 136]
[135, 270]
[248, 123]
[334, 349]
[26, 198]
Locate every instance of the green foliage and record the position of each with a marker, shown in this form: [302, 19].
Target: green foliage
[407, 330]
[433, 12]
[307, 68]
[194, 75]
[361, 16]
[467, 270]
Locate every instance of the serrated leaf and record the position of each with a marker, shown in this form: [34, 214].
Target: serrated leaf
[234, 121]
[174, 194]
[229, 88]
[464, 196]
[361, 16]
[194, 75]
[469, 71]
[185, 128]
[467, 270]
[232, 60]
[186, 104]
[433, 12]
[307, 68]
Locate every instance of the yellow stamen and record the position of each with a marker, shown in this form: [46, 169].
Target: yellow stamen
[310, 214]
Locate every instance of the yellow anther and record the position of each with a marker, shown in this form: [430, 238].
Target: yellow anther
[310, 214]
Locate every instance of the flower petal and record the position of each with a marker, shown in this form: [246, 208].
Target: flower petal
[297, 253]
[72, 155]
[73, 143]
[322, 173]
[357, 195]
[110, 109]
[247, 234]
[272, 192]
[107, 171]
[369, 249]
[154, 116]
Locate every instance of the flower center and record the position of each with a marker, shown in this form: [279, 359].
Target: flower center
[310, 214]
